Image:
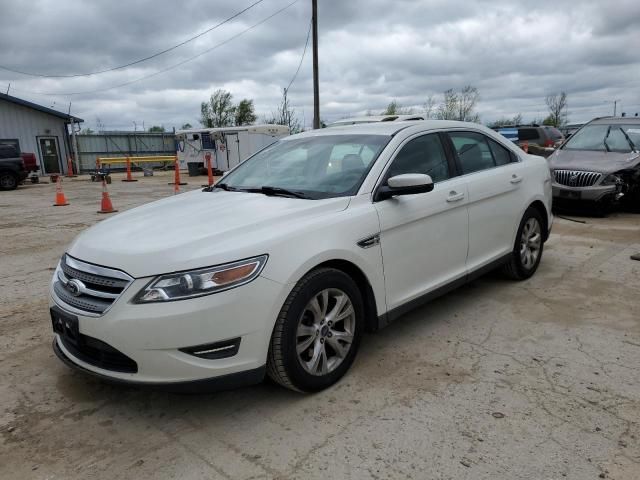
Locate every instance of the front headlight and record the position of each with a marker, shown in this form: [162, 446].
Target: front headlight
[205, 281]
[611, 180]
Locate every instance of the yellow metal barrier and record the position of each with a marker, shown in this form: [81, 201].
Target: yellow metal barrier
[123, 160]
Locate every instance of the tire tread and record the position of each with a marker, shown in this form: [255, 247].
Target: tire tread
[275, 358]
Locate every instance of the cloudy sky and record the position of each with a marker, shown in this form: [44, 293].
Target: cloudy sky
[371, 52]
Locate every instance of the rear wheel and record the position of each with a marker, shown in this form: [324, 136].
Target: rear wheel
[528, 247]
[317, 333]
[8, 181]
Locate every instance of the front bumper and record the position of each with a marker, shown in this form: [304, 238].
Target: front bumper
[595, 193]
[153, 334]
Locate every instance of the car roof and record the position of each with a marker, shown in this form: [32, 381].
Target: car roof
[376, 118]
[387, 128]
[614, 120]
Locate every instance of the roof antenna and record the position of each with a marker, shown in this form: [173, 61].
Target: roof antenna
[8, 88]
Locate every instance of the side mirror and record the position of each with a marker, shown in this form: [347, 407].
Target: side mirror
[405, 184]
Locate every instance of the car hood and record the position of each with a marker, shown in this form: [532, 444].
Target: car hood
[196, 229]
[603, 162]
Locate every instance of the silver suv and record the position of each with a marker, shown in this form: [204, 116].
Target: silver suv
[600, 163]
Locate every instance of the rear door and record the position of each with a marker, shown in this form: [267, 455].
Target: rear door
[494, 177]
[423, 236]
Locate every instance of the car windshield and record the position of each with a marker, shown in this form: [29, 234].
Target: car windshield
[615, 137]
[309, 167]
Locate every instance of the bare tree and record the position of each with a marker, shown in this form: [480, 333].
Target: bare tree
[557, 105]
[429, 107]
[505, 121]
[219, 111]
[459, 105]
[285, 115]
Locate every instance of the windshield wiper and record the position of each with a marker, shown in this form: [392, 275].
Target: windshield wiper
[631, 144]
[222, 186]
[268, 190]
[605, 139]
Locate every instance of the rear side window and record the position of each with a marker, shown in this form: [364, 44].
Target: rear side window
[501, 155]
[7, 151]
[528, 134]
[422, 155]
[473, 151]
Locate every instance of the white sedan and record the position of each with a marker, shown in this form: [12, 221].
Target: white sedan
[283, 264]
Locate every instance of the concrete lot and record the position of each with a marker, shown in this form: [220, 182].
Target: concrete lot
[498, 380]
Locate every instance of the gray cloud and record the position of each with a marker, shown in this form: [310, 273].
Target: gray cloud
[371, 52]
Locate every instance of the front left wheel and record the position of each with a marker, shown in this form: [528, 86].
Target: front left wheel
[316, 335]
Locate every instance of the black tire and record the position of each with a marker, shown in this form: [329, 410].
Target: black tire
[283, 364]
[8, 181]
[515, 268]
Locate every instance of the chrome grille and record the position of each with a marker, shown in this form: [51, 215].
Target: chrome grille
[88, 288]
[576, 178]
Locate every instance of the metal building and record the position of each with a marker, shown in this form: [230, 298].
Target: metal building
[36, 129]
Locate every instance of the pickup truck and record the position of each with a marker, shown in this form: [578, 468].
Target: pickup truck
[12, 168]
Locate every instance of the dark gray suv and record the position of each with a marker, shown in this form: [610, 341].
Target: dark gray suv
[600, 163]
[541, 135]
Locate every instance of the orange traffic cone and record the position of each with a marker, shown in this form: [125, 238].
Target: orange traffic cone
[129, 177]
[176, 181]
[61, 200]
[106, 206]
[70, 173]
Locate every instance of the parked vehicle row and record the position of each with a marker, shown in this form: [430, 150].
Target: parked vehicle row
[599, 164]
[317, 238]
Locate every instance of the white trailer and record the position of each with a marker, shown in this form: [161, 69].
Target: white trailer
[228, 146]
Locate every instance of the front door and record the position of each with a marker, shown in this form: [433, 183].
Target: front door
[49, 154]
[424, 237]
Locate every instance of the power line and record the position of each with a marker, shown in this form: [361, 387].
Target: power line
[301, 59]
[164, 70]
[135, 62]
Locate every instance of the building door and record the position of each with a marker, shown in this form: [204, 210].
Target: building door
[233, 149]
[49, 154]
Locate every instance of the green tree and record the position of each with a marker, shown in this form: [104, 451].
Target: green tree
[186, 126]
[156, 129]
[394, 108]
[245, 113]
[219, 111]
[86, 131]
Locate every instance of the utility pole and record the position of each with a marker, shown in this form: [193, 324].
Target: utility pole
[74, 145]
[316, 90]
[615, 107]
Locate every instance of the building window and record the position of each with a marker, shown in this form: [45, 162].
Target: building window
[14, 142]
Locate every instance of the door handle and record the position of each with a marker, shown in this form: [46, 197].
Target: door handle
[515, 178]
[454, 196]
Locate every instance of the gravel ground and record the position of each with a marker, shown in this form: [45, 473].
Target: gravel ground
[498, 380]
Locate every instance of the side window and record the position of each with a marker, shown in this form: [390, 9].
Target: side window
[528, 134]
[473, 151]
[422, 155]
[501, 155]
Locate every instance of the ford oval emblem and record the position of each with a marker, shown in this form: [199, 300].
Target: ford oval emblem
[75, 287]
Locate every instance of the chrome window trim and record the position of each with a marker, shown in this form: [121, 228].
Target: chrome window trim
[96, 270]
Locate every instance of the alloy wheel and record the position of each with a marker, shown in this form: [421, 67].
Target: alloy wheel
[325, 331]
[530, 243]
